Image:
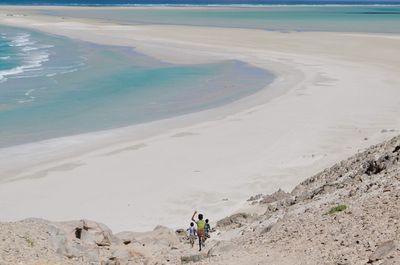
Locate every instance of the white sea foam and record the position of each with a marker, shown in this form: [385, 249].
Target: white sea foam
[29, 97]
[32, 56]
[13, 71]
[33, 64]
[64, 70]
[21, 40]
[69, 71]
[29, 92]
[29, 48]
[22, 101]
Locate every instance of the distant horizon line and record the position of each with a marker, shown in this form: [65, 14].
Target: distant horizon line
[297, 3]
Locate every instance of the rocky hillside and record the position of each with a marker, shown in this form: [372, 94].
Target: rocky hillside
[347, 214]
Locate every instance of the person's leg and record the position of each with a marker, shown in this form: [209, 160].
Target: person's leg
[200, 243]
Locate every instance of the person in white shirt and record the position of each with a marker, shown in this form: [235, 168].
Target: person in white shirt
[192, 232]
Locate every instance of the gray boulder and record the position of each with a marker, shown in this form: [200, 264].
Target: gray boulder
[95, 233]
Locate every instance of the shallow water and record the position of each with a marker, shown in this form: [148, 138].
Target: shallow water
[379, 19]
[53, 86]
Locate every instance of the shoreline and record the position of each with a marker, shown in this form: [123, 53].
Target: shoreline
[91, 141]
[303, 131]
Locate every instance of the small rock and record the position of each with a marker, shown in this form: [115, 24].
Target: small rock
[120, 254]
[276, 196]
[96, 233]
[396, 149]
[181, 232]
[126, 237]
[266, 229]
[192, 258]
[235, 220]
[382, 251]
[255, 198]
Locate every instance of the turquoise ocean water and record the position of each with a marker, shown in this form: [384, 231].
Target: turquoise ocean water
[338, 18]
[52, 86]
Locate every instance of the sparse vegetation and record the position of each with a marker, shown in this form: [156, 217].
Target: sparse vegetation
[192, 258]
[336, 209]
[29, 241]
[185, 259]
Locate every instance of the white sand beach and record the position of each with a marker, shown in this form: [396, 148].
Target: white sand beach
[335, 94]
